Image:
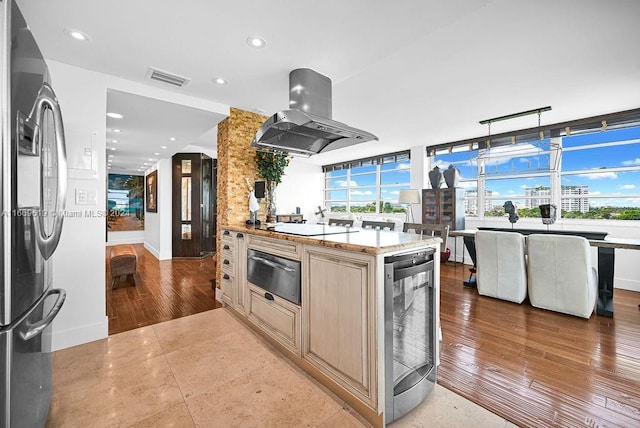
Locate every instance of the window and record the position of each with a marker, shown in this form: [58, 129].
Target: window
[589, 168]
[367, 185]
[592, 175]
[601, 174]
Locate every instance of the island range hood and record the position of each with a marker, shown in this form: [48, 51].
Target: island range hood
[306, 128]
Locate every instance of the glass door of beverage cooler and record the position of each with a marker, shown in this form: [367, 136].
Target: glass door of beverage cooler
[410, 332]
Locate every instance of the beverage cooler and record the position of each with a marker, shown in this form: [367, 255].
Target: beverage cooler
[410, 331]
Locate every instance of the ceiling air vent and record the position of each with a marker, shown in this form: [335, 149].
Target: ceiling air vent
[166, 77]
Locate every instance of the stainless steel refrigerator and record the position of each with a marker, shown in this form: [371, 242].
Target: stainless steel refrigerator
[33, 191]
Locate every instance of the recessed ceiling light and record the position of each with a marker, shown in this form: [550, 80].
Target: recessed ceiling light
[157, 154]
[220, 81]
[163, 147]
[146, 163]
[77, 35]
[116, 130]
[172, 138]
[115, 115]
[108, 167]
[113, 148]
[260, 110]
[115, 141]
[151, 159]
[256, 42]
[110, 156]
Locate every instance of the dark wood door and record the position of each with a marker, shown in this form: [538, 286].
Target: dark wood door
[208, 229]
[187, 216]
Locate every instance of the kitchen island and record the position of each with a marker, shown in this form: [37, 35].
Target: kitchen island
[318, 294]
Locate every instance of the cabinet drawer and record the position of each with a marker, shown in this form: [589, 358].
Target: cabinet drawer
[227, 248]
[227, 268]
[278, 317]
[227, 287]
[227, 263]
[227, 236]
[280, 247]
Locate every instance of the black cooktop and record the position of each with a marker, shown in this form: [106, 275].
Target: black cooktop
[310, 229]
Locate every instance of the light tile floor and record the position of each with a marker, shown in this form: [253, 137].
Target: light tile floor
[209, 370]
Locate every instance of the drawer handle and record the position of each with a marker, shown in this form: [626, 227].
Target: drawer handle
[240, 235]
[226, 233]
[268, 296]
[225, 262]
[225, 276]
[226, 247]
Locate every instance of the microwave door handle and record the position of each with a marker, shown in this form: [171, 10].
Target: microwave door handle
[38, 327]
[272, 264]
[48, 244]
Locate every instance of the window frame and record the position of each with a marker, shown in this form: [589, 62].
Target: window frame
[377, 199]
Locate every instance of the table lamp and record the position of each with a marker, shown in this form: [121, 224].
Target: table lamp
[409, 197]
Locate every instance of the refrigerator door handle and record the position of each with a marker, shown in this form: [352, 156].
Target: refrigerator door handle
[36, 329]
[48, 244]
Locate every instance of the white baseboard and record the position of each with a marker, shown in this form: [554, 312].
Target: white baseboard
[152, 250]
[112, 242]
[626, 284]
[160, 256]
[79, 335]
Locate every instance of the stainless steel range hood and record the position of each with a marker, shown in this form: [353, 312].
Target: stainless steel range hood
[307, 129]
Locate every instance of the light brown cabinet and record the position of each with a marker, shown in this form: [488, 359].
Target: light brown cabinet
[277, 317]
[443, 206]
[338, 335]
[233, 271]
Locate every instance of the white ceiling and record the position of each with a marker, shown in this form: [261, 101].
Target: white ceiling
[414, 73]
[151, 129]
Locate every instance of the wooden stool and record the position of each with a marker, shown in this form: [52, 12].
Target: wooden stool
[123, 261]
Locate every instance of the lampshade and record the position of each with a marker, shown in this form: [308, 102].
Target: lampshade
[409, 196]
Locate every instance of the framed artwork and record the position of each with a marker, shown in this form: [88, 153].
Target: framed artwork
[125, 206]
[152, 192]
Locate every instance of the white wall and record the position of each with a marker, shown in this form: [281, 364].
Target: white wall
[79, 263]
[419, 169]
[157, 226]
[302, 186]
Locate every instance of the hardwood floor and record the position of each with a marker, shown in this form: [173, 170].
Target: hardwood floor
[164, 290]
[539, 368]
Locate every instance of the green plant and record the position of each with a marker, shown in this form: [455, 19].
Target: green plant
[271, 165]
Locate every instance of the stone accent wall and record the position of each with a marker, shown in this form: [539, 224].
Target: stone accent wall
[236, 164]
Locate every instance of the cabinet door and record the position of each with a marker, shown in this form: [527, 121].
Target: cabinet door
[241, 273]
[227, 287]
[430, 206]
[339, 328]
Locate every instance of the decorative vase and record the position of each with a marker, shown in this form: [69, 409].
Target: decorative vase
[270, 200]
[435, 177]
[451, 176]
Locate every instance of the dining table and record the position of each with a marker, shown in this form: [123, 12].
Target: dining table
[606, 257]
